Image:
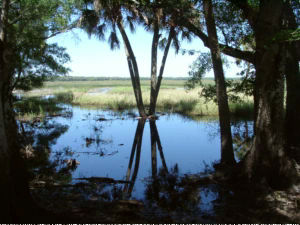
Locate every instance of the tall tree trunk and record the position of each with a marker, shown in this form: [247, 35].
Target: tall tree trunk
[155, 41]
[227, 156]
[133, 70]
[293, 94]
[11, 161]
[154, 94]
[5, 173]
[6, 182]
[267, 159]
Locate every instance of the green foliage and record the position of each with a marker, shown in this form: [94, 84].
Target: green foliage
[198, 69]
[287, 36]
[233, 28]
[32, 22]
[235, 88]
[36, 107]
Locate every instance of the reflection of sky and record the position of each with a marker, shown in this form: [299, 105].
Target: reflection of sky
[185, 142]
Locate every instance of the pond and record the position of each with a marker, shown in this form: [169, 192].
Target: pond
[128, 154]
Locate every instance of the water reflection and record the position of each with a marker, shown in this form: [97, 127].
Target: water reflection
[136, 153]
[242, 135]
[45, 165]
[165, 190]
[124, 159]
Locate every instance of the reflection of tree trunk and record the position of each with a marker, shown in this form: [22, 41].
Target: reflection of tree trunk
[227, 156]
[156, 140]
[246, 133]
[136, 148]
[136, 152]
[133, 70]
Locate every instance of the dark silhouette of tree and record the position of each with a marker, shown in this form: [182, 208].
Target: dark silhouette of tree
[19, 205]
[269, 158]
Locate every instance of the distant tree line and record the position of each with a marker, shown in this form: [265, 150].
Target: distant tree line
[82, 78]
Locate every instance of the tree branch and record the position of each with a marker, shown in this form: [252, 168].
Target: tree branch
[225, 49]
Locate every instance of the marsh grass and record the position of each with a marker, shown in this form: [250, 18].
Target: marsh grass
[64, 97]
[242, 109]
[29, 108]
[172, 97]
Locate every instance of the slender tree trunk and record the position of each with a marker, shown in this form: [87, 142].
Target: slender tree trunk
[133, 69]
[153, 99]
[267, 159]
[227, 156]
[155, 41]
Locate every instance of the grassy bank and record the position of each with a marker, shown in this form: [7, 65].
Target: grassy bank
[118, 95]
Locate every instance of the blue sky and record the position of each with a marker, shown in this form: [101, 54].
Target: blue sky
[91, 57]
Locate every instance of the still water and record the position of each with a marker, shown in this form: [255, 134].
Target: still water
[102, 142]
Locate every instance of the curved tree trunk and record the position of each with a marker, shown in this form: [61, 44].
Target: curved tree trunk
[133, 70]
[227, 156]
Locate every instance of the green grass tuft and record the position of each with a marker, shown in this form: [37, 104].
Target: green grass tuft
[64, 97]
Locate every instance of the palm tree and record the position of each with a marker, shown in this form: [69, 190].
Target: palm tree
[113, 14]
[154, 16]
